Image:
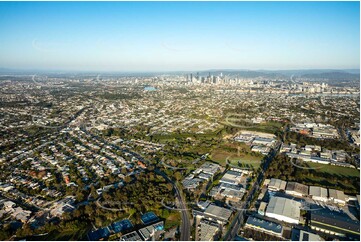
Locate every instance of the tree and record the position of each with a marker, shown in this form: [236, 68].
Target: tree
[169, 187]
[127, 179]
[177, 175]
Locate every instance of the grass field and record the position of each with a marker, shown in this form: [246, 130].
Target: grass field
[220, 156]
[341, 178]
[234, 152]
[335, 170]
[269, 127]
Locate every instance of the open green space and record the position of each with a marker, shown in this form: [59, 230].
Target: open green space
[328, 176]
[335, 170]
[236, 152]
[267, 127]
[221, 158]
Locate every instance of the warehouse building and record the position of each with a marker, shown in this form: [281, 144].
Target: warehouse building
[302, 235]
[262, 208]
[132, 236]
[208, 230]
[277, 185]
[265, 226]
[334, 223]
[337, 196]
[231, 177]
[284, 209]
[219, 213]
[296, 189]
[318, 193]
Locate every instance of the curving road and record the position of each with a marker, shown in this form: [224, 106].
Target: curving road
[185, 229]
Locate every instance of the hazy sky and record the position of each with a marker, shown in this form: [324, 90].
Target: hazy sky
[162, 36]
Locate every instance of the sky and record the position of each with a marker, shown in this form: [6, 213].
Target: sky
[179, 36]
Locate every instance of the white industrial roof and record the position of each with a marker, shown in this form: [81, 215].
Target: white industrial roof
[336, 194]
[285, 207]
[277, 183]
[318, 191]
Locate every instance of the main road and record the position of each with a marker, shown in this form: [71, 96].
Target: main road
[185, 230]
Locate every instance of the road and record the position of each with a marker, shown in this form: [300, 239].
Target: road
[185, 225]
[239, 217]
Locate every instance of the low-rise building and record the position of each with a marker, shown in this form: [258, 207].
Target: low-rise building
[296, 189]
[318, 193]
[208, 230]
[284, 209]
[302, 235]
[231, 177]
[277, 185]
[265, 226]
[219, 214]
[262, 208]
[337, 196]
[334, 223]
[132, 236]
[152, 231]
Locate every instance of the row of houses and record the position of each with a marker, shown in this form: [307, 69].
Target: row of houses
[9, 208]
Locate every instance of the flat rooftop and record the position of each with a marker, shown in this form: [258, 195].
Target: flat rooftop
[218, 212]
[285, 207]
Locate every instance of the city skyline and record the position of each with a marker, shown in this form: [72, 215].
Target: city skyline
[179, 36]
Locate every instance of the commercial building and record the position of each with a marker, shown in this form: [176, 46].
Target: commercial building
[318, 193]
[209, 168]
[132, 236]
[219, 213]
[262, 208]
[337, 196]
[284, 209]
[152, 231]
[302, 235]
[277, 185]
[262, 149]
[334, 223]
[296, 189]
[265, 226]
[231, 177]
[208, 230]
[263, 141]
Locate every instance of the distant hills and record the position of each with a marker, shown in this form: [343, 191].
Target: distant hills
[324, 74]
[333, 76]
